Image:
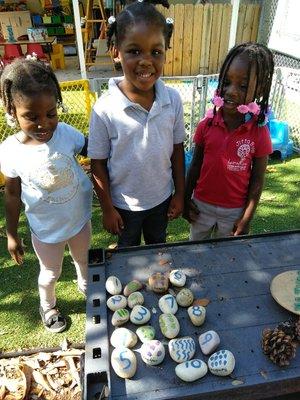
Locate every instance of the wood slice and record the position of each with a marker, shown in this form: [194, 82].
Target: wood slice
[285, 289]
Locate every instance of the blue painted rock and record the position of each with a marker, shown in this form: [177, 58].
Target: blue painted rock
[221, 363]
[185, 297]
[113, 285]
[116, 302]
[197, 315]
[209, 341]
[123, 361]
[190, 371]
[168, 304]
[169, 325]
[153, 352]
[123, 337]
[134, 299]
[177, 278]
[120, 317]
[140, 315]
[145, 333]
[131, 287]
[182, 349]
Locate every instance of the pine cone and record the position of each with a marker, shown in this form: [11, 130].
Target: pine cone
[297, 330]
[288, 327]
[278, 346]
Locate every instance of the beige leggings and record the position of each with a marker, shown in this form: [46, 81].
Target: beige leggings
[50, 257]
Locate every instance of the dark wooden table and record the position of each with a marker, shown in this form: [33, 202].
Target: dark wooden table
[235, 274]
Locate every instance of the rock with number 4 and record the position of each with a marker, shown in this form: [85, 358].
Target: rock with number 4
[197, 315]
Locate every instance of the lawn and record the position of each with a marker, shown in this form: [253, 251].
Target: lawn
[20, 325]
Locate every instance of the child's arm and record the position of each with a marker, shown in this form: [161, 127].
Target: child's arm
[242, 225]
[112, 220]
[12, 213]
[83, 151]
[190, 209]
[177, 201]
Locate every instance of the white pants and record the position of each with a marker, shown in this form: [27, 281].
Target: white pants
[50, 257]
[213, 221]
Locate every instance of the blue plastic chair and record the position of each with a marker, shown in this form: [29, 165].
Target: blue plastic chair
[281, 142]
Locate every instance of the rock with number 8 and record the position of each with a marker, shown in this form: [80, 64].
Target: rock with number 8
[197, 315]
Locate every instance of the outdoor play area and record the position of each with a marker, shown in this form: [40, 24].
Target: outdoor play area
[252, 261]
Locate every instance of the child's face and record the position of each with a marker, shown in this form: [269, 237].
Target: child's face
[37, 116]
[236, 89]
[142, 53]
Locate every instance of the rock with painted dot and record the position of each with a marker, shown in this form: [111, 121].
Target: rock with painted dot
[185, 297]
[145, 333]
[182, 349]
[123, 361]
[158, 282]
[135, 299]
[209, 341]
[197, 315]
[168, 304]
[120, 317]
[123, 337]
[113, 285]
[116, 302]
[140, 315]
[169, 325]
[221, 363]
[190, 371]
[177, 278]
[131, 287]
[153, 352]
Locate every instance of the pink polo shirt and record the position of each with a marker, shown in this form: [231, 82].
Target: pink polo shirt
[227, 163]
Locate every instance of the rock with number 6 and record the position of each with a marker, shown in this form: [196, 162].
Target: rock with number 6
[168, 304]
[140, 315]
[197, 315]
[177, 278]
[123, 361]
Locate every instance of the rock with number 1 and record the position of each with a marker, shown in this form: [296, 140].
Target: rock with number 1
[113, 285]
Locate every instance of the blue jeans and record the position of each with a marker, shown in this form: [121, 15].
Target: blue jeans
[152, 223]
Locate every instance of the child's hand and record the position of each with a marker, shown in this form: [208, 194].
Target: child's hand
[241, 227]
[175, 207]
[112, 221]
[191, 212]
[15, 249]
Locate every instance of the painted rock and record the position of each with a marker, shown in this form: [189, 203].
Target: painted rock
[192, 370]
[135, 298]
[177, 278]
[116, 302]
[113, 285]
[140, 315]
[168, 304]
[197, 315]
[209, 341]
[182, 349]
[153, 352]
[185, 297]
[159, 282]
[123, 361]
[169, 325]
[131, 287]
[120, 317]
[123, 337]
[221, 363]
[145, 333]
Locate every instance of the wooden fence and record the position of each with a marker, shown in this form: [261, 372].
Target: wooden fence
[201, 36]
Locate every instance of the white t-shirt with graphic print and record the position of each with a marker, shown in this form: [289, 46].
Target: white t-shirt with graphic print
[56, 192]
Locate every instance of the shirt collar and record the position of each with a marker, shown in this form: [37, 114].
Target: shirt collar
[161, 95]
[245, 127]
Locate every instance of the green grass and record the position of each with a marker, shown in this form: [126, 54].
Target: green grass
[20, 325]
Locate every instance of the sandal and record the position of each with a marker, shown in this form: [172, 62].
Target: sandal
[53, 320]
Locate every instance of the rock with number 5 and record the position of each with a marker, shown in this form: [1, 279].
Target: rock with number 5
[177, 278]
[123, 361]
[192, 370]
[197, 315]
[140, 315]
[113, 285]
[168, 304]
[209, 341]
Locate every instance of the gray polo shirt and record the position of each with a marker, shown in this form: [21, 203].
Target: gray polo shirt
[137, 143]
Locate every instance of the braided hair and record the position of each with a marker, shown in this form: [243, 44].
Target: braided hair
[139, 11]
[25, 77]
[262, 63]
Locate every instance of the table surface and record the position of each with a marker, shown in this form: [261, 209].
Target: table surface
[235, 274]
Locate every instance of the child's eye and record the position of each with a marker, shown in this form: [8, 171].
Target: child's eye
[135, 52]
[156, 52]
[52, 115]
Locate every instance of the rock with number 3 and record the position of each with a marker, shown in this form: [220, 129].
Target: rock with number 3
[140, 315]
